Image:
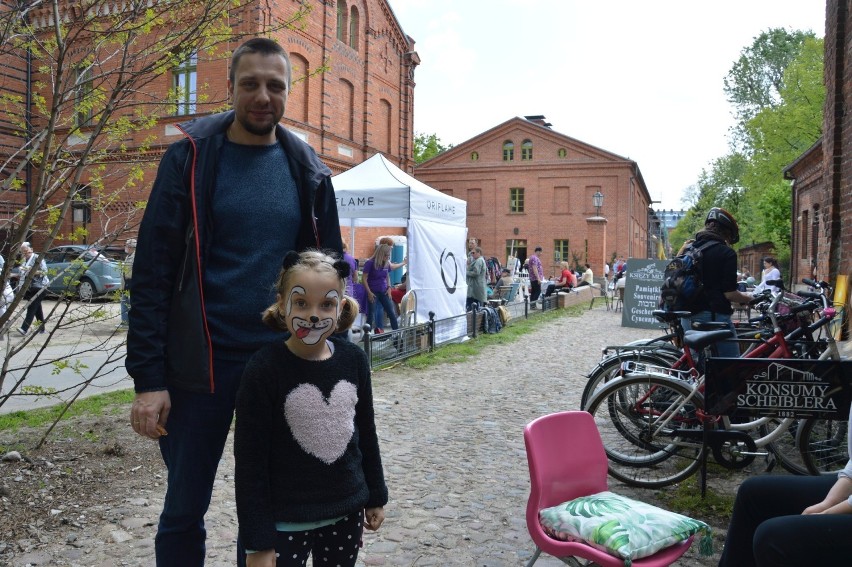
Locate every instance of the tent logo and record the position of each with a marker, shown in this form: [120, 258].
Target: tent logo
[355, 202]
[447, 256]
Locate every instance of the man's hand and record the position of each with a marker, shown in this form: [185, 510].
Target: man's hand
[373, 518]
[150, 412]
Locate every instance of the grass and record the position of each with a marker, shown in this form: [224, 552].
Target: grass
[686, 497]
[101, 404]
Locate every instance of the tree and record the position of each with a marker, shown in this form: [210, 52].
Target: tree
[756, 79]
[777, 91]
[427, 146]
[80, 124]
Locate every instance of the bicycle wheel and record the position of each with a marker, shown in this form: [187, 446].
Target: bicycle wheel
[643, 421]
[610, 368]
[823, 445]
[785, 447]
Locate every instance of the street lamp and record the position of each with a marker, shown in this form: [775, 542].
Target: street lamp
[597, 200]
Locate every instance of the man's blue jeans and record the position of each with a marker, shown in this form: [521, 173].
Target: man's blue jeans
[198, 427]
[727, 349]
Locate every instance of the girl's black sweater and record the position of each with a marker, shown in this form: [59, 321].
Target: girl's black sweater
[305, 443]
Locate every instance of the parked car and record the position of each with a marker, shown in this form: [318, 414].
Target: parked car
[82, 271]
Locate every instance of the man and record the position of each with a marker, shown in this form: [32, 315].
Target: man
[536, 275]
[719, 275]
[126, 277]
[476, 287]
[229, 201]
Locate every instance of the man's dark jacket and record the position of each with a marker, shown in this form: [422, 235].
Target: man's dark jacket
[169, 343]
[719, 269]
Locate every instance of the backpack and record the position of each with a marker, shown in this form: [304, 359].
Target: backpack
[490, 320]
[504, 314]
[683, 279]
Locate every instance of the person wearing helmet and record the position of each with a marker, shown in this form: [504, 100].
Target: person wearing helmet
[719, 276]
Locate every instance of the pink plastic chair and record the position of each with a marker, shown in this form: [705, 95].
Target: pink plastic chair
[567, 460]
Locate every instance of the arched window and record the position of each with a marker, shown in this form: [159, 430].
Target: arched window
[526, 150]
[474, 156]
[353, 28]
[508, 150]
[341, 20]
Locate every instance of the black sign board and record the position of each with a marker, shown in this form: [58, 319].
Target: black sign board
[778, 387]
[642, 292]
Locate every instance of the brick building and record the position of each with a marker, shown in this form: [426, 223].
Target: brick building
[822, 176]
[527, 185]
[361, 104]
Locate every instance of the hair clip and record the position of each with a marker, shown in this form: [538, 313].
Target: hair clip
[291, 258]
[343, 268]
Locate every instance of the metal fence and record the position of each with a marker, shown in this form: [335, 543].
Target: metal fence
[405, 342]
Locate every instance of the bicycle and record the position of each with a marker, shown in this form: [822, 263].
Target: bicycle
[652, 420]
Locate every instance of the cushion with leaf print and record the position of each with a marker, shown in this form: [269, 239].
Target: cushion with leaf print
[621, 526]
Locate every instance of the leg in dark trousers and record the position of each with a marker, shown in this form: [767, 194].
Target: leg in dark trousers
[34, 310]
[535, 289]
[768, 529]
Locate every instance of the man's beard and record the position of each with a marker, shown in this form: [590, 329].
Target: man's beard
[258, 129]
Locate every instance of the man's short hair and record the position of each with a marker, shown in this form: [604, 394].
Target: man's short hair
[538, 248]
[505, 271]
[478, 250]
[261, 45]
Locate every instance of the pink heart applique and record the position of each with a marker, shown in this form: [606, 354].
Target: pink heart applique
[322, 427]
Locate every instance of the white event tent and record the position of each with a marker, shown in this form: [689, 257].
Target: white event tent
[377, 193]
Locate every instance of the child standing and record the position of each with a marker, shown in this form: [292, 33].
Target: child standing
[376, 280]
[308, 469]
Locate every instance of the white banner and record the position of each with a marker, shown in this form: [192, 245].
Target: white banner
[437, 268]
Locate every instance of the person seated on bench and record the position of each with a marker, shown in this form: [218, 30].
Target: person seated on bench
[588, 277]
[566, 282]
[398, 291]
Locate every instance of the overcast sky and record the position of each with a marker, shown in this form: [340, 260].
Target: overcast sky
[639, 78]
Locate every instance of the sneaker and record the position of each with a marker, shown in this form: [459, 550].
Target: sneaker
[21, 332]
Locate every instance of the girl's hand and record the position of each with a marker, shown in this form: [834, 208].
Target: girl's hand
[373, 518]
[264, 558]
[371, 297]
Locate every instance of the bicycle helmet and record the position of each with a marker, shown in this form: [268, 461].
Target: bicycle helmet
[726, 221]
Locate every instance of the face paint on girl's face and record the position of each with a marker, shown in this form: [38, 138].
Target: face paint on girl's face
[313, 307]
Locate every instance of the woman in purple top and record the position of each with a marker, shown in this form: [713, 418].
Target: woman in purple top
[353, 270]
[376, 280]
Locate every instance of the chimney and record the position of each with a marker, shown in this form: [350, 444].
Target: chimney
[539, 119]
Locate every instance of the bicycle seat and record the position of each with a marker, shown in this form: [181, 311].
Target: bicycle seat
[669, 316]
[700, 339]
[709, 325]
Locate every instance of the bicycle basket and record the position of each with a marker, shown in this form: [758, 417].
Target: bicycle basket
[790, 323]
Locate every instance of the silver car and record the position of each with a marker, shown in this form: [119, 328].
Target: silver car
[81, 271]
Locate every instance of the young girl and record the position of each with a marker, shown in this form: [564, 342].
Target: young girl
[376, 280]
[308, 469]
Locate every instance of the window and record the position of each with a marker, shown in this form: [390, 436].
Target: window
[516, 248]
[562, 152]
[516, 200]
[81, 204]
[804, 228]
[83, 99]
[526, 150]
[185, 78]
[474, 156]
[560, 251]
[341, 19]
[508, 150]
[353, 28]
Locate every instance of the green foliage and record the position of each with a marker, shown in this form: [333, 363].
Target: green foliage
[777, 92]
[427, 146]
